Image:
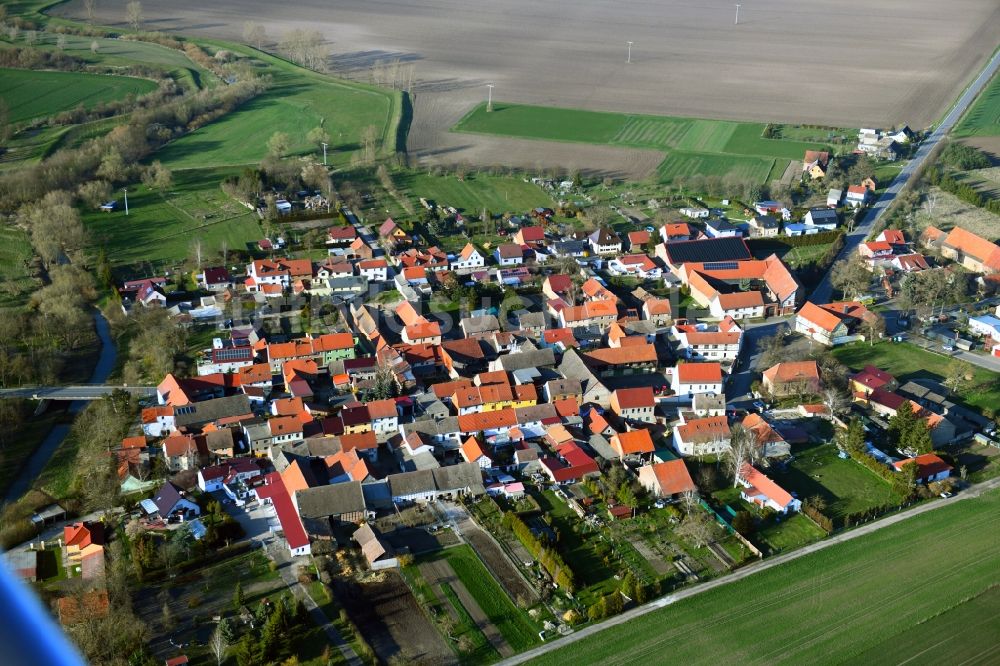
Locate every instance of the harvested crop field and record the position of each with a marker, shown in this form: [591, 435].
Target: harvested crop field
[392, 622]
[904, 63]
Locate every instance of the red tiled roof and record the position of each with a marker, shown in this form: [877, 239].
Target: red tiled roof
[709, 428]
[793, 371]
[274, 489]
[765, 486]
[630, 398]
[699, 373]
[645, 353]
[928, 464]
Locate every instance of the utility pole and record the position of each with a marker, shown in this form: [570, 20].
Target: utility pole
[125, 190]
[489, 100]
[629, 52]
[737, 15]
[324, 154]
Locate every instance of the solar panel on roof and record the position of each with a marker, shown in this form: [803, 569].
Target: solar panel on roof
[722, 265]
[730, 248]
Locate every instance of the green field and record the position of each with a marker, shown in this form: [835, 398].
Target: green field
[694, 146]
[159, 229]
[846, 486]
[832, 606]
[509, 620]
[15, 257]
[983, 117]
[32, 94]
[906, 362]
[792, 532]
[297, 101]
[496, 193]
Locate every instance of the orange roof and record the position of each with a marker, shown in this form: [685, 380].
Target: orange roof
[699, 373]
[284, 425]
[657, 306]
[178, 445]
[672, 477]
[296, 478]
[382, 409]
[492, 393]
[633, 441]
[975, 246]
[708, 428]
[408, 314]
[567, 407]
[696, 337]
[741, 299]
[558, 434]
[624, 355]
[472, 451]
[793, 371]
[638, 238]
[487, 420]
[597, 423]
[333, 342]
[137, 442]
[493, 377]
[372, 263]
[630, 398]
[150, 414]
[829, 316]
[414, 272]
[254, 374]
[363, 441]
[423, 330]
[467, 251]
[447, 389]
[594, 289]
[761, 429]
[288, 406]
[675, 229]
[764, 485]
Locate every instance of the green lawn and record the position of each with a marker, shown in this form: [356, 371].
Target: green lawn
[906, 362]
[512, 622]
[846, 486]
[835, 605]
[498, 194]
[297, 101]
[790, 533]
[33, 94]
[160, 229]
[983, 117]
[694, 146]
[15, 258]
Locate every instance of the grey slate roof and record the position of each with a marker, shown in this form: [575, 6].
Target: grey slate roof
[200, 413]
[474, 325]
[464, 476]
[333, 500]
[411, 483]
[526, 359]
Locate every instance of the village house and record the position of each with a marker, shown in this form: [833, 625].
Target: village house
[702, 436]
[638, 265]
[832, 324]
[764, 226]
[469, 259]
[677, 231]
[632, 443]
[215, 279]
[815, 163]
[273, 276]
[637, 240]
[705, 342]
[634, 404]
[741, 289]
[792, 378]
[691, 378]
[374, 270]
[857, 195]
[509, 254]
[529, 236]
[393, 236]
[760, 490]
[472, 452]
[604, 242]
[667, 480]
[658, 311]
[930, 468]
[972, 252]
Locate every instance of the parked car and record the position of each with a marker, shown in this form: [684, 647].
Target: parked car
[948, 347]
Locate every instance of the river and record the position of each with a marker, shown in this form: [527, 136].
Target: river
[40, 458]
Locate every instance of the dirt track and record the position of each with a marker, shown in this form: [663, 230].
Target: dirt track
[835, 62]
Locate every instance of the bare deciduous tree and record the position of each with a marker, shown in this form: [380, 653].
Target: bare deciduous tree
[698, 528]
[218, 645]
[133, 14]
[90, 10]
[744, 449]
[254, 34]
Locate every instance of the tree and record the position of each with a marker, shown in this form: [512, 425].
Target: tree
[238, 598]
[743, 523]
[369, 139]
[834, 400]
[113, 167]
[90, 10]
[958, 376]
[133, 14]
[698, 528]
[743, 450]
[254, 34]
[599, 216]
[61, 42]
[157, 177]
[277, 145]
[218, 645]
[95, 46]
[853, 439]
[318, 136]
[873, 327]
[851, 277]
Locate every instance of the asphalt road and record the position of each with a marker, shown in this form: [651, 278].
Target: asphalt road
[824, 290]
[83, 392]
[738, 385]
[967, 494]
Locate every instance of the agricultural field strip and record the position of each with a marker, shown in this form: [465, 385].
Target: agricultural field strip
[983, 117]
[440, 572]
[691, 135]
[34, 94]
[973, 526]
